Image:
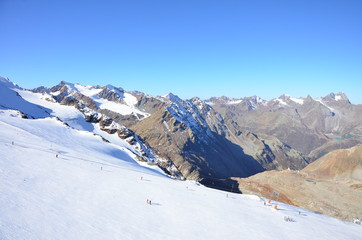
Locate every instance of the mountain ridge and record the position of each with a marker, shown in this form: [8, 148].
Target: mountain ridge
[192, 138]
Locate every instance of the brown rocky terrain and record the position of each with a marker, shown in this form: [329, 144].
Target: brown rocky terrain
[331, 185]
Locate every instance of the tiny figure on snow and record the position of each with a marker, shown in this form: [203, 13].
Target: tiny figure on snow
[12, 143]
[141, 178]
[227, 195]
[148, 201]
[264, 203]
[288, 219]
[101, 168]
[56, 155]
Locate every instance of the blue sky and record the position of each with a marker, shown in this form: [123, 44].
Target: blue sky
[192, 48]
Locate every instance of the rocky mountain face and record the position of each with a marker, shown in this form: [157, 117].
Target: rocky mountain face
[311, 126]
[192, 139]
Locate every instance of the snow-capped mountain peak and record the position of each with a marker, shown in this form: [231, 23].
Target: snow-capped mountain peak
[172, 97]
[5, 81]
[287, 100]
[338, 97]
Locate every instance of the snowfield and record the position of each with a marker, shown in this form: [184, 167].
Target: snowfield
[93, 190]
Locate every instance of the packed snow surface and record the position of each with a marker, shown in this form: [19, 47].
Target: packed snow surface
[94, 190]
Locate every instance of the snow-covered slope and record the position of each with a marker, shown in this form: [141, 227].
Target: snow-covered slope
[9, 98]
[94, 190]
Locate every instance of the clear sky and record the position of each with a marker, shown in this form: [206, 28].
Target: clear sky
[202, 48]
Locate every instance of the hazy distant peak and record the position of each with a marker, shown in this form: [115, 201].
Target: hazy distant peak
[284, 96]
[196, 99]
[336, 97]
[113, 88]
[201, 105]
[255, 99]
[70, 86]
[223, 100]
[309, 98]
[172, 97]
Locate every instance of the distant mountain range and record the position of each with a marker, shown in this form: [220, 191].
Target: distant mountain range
[311, 126]
[214, 140]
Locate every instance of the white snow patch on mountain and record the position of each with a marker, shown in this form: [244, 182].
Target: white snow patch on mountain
[281, 101]
[321, 101]
[338, 98]
[129, 99]
[124, 109]
[92, 92]
[171, 97]
[166, 125]
[121, 108]
[297, 100]
[235, 102]
[89, 91]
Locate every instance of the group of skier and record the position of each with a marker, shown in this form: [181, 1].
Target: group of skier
[269, 203]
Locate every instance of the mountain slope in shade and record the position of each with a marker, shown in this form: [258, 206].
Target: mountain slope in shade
[331, 185]
[95, 190]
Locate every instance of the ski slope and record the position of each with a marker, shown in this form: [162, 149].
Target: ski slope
[93, 190]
